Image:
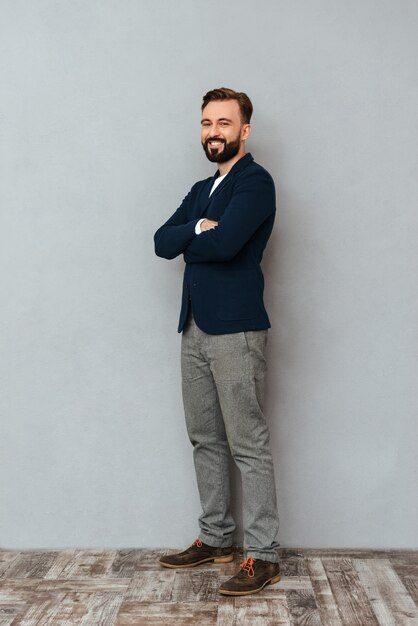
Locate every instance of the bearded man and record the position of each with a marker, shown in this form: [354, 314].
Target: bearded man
[222, 228]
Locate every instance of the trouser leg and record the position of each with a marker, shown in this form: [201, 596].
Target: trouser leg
[206, 432]
[239, 367]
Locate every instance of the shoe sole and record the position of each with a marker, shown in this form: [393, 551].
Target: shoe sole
[271, 581]
[217, 559]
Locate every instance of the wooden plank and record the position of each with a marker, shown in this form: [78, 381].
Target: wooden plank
[302, 608]
[150, 586]
[293, 566]
[31, 564]
[130, 561]
[15, 585]
[226, 609]
[84, 585]
[352, 601]
[127, 562]
[388, 597]
[11, 609]
[14, 603]
[196, 586]
[89, 563]
[134, 613]
[291, 583]
[411, 586]
[324, 599]
[54, 608]
[66, 609]
[410, 559]
[13, 606]
[62, 560]
[407, 570]
[41, 608]
[6, 560]
[258, 612]
[102, 609]
[7, 621]
[252, 611]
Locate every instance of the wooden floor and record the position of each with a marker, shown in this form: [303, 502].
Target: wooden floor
[122, 587]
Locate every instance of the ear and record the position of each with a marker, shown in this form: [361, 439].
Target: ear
[245, 132]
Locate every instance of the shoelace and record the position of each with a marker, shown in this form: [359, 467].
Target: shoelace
[197, 543]
[247, 565]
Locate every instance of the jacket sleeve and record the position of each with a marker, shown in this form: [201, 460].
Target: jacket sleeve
[253, 202]
[171, 238]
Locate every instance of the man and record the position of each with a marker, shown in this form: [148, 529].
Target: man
[222, 228]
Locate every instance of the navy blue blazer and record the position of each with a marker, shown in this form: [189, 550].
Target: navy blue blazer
[223, 281]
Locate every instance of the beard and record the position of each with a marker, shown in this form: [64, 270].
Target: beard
[221, 155]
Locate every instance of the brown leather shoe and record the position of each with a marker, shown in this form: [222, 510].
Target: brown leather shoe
[252, 577]
[198, 552]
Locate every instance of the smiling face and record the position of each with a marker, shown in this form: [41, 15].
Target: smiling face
[223, 132]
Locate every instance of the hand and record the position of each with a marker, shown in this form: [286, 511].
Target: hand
[208, 225]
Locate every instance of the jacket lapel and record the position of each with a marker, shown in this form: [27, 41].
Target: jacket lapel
[237, 167]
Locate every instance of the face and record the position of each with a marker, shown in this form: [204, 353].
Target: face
[223, 133]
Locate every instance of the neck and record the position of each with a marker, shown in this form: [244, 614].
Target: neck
[225, 167]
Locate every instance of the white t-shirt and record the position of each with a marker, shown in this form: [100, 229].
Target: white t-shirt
[217, 181]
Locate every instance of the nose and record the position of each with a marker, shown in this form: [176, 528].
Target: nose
[214, 133]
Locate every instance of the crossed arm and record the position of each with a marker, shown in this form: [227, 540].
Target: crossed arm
[252, 203]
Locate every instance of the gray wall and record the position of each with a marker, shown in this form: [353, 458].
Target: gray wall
[99, 143]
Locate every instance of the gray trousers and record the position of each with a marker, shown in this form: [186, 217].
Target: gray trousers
[223, 388]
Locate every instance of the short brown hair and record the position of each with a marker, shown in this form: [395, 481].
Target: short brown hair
[223, 93]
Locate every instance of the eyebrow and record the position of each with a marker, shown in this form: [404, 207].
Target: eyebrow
[221, 119]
